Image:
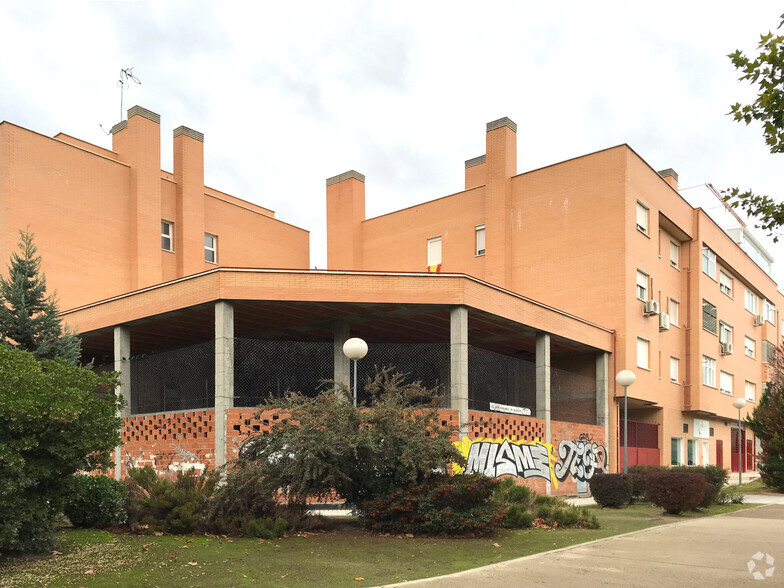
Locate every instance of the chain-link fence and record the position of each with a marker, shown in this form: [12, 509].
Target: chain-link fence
[424, 362]
[502, 379]
[268, 369]
[572, 397]
[181, 379]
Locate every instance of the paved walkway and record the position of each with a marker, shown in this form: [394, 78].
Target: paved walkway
[711, 551]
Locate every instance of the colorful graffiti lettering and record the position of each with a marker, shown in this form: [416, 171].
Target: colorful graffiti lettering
[580, 459]
[498, 457]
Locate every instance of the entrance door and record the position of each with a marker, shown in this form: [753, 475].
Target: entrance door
[720, 453]
[750, 465]
[706, 453]
[734, 446]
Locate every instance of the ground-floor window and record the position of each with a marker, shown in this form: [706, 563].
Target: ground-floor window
[676, 451]
[705, 453]
[691, 452]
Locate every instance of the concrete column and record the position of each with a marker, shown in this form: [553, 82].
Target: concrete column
[458, 366]
[342, 369]
[543, 385]
[224, 375]
[602, 396]
[122, 364]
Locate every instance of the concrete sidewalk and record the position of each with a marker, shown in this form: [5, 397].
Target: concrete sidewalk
[711, 551]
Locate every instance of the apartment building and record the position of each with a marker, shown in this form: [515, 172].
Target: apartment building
[607, 238]
[205, 304]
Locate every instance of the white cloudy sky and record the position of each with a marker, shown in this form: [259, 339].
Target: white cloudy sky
[290, 93]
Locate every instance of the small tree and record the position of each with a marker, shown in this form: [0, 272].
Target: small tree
[29, 319]
[326, 444]
[767, 422]
[55, 419]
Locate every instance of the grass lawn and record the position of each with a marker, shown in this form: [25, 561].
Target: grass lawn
[757, 487]
[342, 555]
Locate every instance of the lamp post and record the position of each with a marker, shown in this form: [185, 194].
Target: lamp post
[625, 378]
[739, 403]
[355, 349]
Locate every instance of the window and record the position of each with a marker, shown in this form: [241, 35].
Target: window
[210, 248]
[674, 361]
[770, 312]
[167, 233]
[642, 217]
[674, 306]
[642, 353]
[768, 349]
[749, 346]
[709, 262]
[642, 285]
[480, 240]
[725, 283]
[675, 251]
[676, 451]
[708, 371]
[725, 333]
[751, 391]
[691, 452]
[750, 301]
[434, 251]
[709, 322]
[725, 383]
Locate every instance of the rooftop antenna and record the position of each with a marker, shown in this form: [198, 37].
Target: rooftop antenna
[126, 77]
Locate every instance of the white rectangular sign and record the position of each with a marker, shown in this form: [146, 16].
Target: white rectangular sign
[701, 429]
[510, 409]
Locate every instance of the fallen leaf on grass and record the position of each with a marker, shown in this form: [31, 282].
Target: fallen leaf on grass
[496, 545]
[189, 541]
[89, 572]
[158, 533]
[56, 553]
[193, 563]
[146, 546]
[410, 535]
[183, 547]
[358, 579]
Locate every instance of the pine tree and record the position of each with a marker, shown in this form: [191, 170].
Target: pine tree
[29, 319]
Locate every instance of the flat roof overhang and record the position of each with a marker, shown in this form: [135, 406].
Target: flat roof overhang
[305, 304]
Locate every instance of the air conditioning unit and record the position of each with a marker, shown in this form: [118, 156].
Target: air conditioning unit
[759, 320]
[727, 348]
[651, 307]
[664, 322]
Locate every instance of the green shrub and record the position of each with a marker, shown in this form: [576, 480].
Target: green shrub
[177, 506]
[96, 502]
[730, 494]
[518, 517]
[612, 490]
[676, 491]
[245, 496]
[266, 528]
[453, 505]
[715, 476]
[638, 487]
[509, 492]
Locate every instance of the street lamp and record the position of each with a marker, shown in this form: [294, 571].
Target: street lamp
[625, 378]
[355, 349]
[739, 403]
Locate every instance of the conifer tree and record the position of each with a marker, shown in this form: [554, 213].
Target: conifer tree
[29, 319]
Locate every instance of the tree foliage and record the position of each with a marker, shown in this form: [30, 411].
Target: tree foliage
[767, 422]
[29, 319]
[325, 445]
[55, 419]
[765, 72]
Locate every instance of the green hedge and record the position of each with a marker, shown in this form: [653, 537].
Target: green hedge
[612, 490]
[676, 492]
[96, 502]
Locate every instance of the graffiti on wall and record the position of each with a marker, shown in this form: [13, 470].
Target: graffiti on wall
[580, 459]
[176, 459]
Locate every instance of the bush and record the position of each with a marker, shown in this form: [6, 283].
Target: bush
[715, 476]
[611, 490]
[518, 517]
[730, 494]
[244, 499]
[266, 528]
[676, 491]
[96, 502]
[523, 507]
[638, 487]
[171, 506]
[454, 505]
[52, 425]
[767, 422]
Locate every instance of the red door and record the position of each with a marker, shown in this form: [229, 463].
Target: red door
[734, 446]
[750, 466]
[720, 453]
